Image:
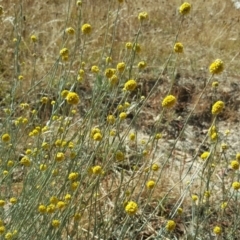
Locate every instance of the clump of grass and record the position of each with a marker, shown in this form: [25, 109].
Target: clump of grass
[89, 152]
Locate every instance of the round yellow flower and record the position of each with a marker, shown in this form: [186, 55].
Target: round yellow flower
[130, 85]
[217, 107]
[119, 155]
[185, 8]
[142, 16]
[86, 28]
[155, 167]
[55, 223]
[128, 45]
[216, 67]
[235, 165]
[142, 65]
[123, 115]
[59, 157]
[73, 176]
[170, 226]
[72, 98]
[64, 52]
[178, 47]
[2, 229]
[217, 230]
[215, 84]
[42, 208]
[131, 208]
[2, 203]
[25, 161]
[121, 66]
[194, 197]
[238, 157]
[111, 119]
[169, 101]
[132, 136]
[150, 184]
[13, 200]
[95, 69]
[70, 31]
[205, 155]
[236, 185]
[33, 38]
[109, 72]
[113, 80]
[6, 137]
[97, 170]
[97, 137]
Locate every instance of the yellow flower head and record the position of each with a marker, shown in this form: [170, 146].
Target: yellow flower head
[131, 208]
[235, 165]
[170, 226]
[217, 230]
[169, 101]
[64, 52]
[217, 107]
[194, 197]
[178, 47]
[73, 176]
[121, 66]
[132, 136]
[142, 16]
[25, 161]
[130, 85]
[86, 28]
[113, 80]
[59, 157]
[33, 38]
[216, 67]
[185, 8]
[215, 84]
[205, 155]
[70, 31]
[109, 72]
[97, 170]
[6, 137]
[142, 65]
[72, 98]
[95, 69]
[137, 48]
[128, 45]
[150, 184]
[155, 167]
[111, 119]
[97, 137]
[2, 203]
[236, 185]
[55, 223]
[119, 156]
[123, 115]
[108, 60]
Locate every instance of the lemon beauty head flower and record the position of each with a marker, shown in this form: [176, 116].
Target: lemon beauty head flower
[169, 101]
[142, 16]
[131, 208]
[86, 28]
[216, 67]
[217, 107]
[72, 98]
[130, 85]
[185, 8]
[178, 47]
[170, 226]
